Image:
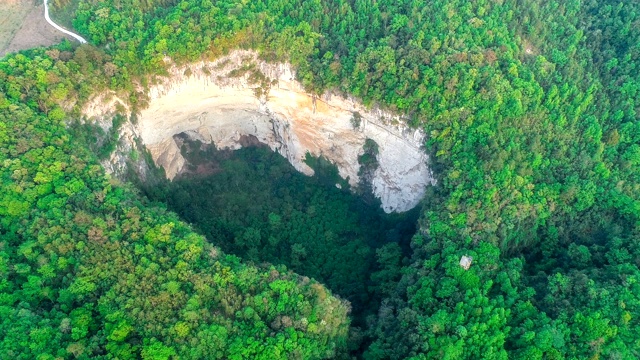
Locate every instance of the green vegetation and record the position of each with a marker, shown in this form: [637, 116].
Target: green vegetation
[531, 108]
[96, 139]
[88, 270]
[356, 120]
[258, 206]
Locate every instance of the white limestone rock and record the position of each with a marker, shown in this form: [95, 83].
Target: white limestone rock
[214, 107]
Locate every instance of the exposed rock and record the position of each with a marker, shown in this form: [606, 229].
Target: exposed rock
[211, 103]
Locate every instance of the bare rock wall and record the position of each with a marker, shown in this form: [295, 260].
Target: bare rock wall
[219, 102]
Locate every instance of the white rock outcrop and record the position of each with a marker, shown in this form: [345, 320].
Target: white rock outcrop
[203, 100]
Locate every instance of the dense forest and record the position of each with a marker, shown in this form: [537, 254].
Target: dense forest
[531, 109]
[259, 207]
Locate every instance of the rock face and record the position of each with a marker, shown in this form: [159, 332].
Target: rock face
[219, 102]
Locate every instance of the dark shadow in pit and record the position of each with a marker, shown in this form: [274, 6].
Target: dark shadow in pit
[253, 203]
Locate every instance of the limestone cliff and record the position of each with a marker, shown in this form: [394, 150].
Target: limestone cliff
[219, 102]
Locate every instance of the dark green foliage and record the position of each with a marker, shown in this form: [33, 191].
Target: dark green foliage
[531, 108]
[356, 120]
[258, 206]
[94, 137]
[325, 172]
[368, 162]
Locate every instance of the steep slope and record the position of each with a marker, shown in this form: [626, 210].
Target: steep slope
[236, 95]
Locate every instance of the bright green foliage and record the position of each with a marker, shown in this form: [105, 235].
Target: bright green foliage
[531, 108]
[87, 270]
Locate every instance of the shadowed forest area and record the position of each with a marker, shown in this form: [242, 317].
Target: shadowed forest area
[531, 111]
[259, 207]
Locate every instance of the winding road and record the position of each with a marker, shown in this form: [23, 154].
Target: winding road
[59, 28]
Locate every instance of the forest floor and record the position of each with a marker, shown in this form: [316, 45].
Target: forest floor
[22, 26]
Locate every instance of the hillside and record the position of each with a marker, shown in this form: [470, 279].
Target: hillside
[530, 110]
[22, 26]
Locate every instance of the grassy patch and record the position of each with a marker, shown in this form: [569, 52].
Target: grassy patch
[63, 14]
[11, 17]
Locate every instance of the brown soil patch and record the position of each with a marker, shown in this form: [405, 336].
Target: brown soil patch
[22, 26]
[12, 15]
